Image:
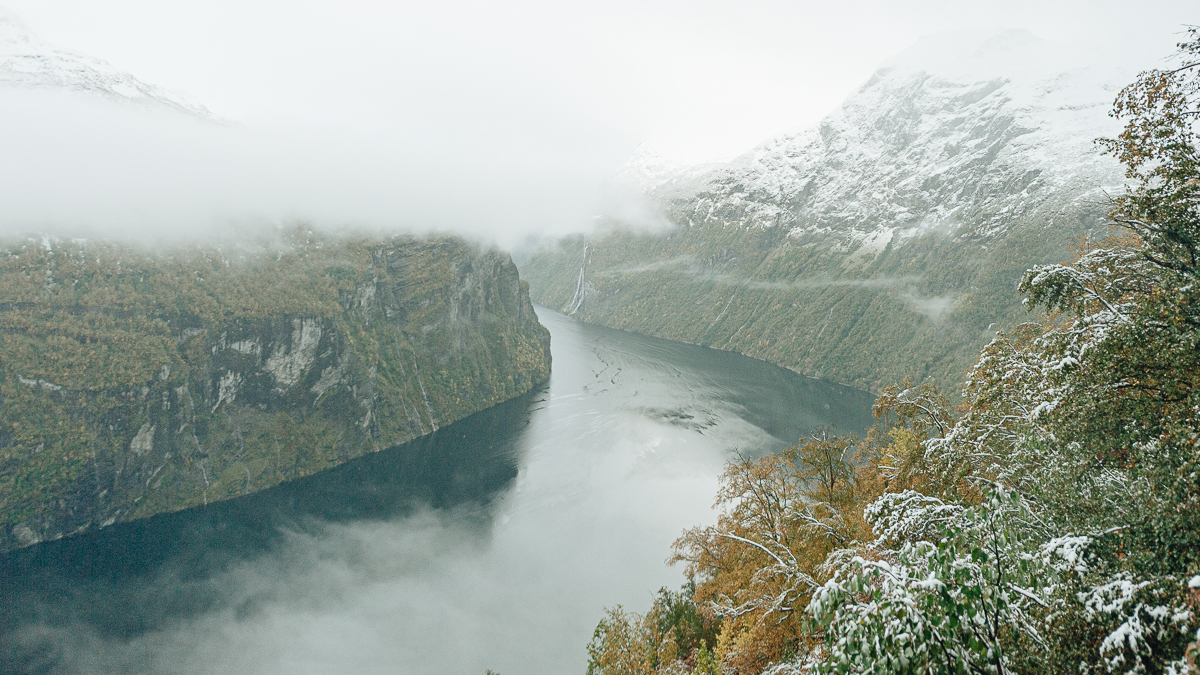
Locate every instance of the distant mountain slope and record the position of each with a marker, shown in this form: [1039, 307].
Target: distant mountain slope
[881, 243]
[972, 143]
[27, 61]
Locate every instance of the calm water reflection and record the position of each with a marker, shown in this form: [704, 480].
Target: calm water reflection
[494, 543]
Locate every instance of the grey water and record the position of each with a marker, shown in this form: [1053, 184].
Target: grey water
[495, 543]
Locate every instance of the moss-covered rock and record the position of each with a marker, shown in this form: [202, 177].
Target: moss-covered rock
[134, 383]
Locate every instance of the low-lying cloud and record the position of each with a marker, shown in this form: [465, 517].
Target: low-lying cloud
[687, 265]
[78, 165]
[933, 307]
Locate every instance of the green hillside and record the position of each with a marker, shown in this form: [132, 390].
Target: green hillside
[922, 308]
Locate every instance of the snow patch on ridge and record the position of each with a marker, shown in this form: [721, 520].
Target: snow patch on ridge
[26, 61]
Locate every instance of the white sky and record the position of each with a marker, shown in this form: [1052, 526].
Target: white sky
[567, 88]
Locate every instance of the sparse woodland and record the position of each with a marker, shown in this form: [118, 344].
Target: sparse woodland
[1049, 523]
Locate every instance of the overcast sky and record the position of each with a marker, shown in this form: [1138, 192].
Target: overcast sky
[542, 99]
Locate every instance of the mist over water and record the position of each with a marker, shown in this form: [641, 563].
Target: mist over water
[494, 543]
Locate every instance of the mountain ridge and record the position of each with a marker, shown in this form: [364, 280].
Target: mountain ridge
[1041, 114]
[27, 61]
[887, 240]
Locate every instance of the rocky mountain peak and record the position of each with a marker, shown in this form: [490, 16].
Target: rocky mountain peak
[962, 132]
[28, 62]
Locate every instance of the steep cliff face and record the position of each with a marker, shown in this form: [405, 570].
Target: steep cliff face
[137, 383]
[888, 240]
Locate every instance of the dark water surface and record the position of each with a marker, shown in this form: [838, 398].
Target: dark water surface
[494, 543]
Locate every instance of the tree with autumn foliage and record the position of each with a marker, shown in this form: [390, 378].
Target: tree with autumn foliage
[780, 518]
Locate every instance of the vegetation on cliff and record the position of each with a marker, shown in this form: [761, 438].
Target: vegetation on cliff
[1049, 524]
[137, 382]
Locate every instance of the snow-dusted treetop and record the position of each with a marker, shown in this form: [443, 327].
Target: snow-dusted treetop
[29, 62]
[968, 131]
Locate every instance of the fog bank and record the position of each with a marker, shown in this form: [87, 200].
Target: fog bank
[79, 166]
[498, 121]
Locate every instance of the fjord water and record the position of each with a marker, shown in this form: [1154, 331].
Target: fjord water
[494, 543]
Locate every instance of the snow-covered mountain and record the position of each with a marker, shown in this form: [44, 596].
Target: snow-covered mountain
[27, 61]
[957, 132]
[886, 241]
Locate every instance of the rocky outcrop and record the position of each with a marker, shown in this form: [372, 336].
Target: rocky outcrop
[137, 383]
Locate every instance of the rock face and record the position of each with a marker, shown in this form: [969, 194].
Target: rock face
[137, 383]
[885, 242]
